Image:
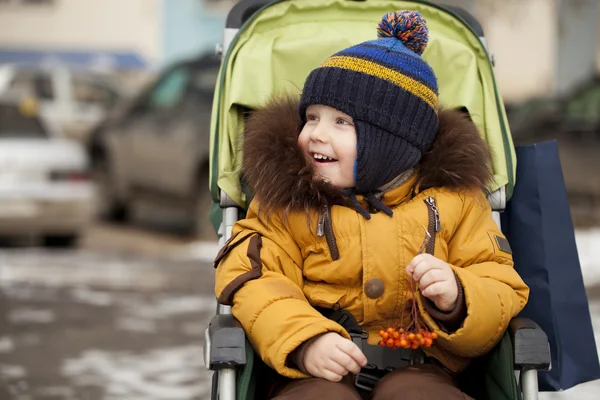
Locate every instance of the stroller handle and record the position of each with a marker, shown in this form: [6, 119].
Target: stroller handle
[245, 8]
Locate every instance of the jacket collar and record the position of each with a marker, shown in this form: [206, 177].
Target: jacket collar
[280, 177]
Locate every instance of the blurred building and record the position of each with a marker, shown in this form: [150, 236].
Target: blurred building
[109, 34]
[541, 47]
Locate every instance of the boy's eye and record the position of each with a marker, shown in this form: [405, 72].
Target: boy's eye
[311, 117]
[343, 121]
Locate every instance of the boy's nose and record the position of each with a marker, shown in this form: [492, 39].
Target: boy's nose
[319, 133]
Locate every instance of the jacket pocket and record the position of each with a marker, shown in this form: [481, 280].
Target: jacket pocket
[253, 254]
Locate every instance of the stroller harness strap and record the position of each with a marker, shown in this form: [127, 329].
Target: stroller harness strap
[380, 360]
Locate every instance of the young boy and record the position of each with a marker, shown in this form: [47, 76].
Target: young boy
[342, 200]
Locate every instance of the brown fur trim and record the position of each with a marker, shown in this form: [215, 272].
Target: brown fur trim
[281, 177]
[459, 157]
[274, 167]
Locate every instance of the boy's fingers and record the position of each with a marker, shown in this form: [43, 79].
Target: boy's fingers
[353, 351]
[427, 265]
[346, 361]
[433, 290]
[412, 264]
[421, 268]
[335, 367]
[430, 277]
[331, 376]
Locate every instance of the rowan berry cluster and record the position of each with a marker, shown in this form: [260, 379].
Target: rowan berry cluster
[412, 339]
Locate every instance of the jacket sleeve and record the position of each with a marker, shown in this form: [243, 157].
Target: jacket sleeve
[494, 293]
[261, 278]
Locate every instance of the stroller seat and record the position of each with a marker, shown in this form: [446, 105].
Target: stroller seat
[264, 52]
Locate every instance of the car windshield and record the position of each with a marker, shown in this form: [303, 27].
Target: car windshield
[15, 123]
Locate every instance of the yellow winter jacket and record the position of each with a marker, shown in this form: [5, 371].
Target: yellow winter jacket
[301, 245]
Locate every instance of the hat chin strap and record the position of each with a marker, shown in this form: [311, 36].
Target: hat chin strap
[371, 199]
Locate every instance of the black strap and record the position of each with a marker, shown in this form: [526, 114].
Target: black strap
[378, 204]
[342, 317]
[371, 199]
[380, 359]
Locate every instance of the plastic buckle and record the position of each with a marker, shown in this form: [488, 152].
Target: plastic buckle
[366, 381]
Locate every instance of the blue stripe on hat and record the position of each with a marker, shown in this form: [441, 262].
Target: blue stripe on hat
[400, 61]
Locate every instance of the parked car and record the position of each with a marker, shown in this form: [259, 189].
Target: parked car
[574, 121]
[156, 149]
[45, 190]
[574, 117]
[73, 99]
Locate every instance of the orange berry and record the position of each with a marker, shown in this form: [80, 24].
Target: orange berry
[427, 342]
[419, 337]
[397, 343]
[414, 346]
[382, 343]
[381, 332]
[390, 342]
[434, 335]
[395, 335]
[385, 336]
[401, 330]
[411, 336]
[390, 330]
[403, 343]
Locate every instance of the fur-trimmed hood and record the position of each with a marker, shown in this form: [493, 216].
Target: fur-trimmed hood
[280, 176]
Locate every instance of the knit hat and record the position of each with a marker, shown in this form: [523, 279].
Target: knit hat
[390, 92]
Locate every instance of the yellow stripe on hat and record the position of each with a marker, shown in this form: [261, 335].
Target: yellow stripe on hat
[371, 68]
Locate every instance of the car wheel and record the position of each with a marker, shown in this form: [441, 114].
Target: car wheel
[61, 240]
[203, 228]
[108, 206]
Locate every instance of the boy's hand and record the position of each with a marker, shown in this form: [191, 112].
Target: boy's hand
[436, 280]
[332, 356]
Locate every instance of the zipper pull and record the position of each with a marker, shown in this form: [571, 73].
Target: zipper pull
[431, 201]
[321, 225]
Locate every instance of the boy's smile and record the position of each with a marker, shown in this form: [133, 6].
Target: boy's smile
[328, 139]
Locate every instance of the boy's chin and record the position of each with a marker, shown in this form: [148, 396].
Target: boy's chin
[330, 182]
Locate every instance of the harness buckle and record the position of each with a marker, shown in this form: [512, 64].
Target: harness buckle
[366, 381]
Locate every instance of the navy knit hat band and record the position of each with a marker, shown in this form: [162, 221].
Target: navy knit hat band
[373, 168]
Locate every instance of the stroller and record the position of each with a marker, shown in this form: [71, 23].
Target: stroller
[261, 56]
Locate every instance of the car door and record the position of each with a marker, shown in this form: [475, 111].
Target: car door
[581, 116]
[186, 137]
[152, 130]
[89, 101]
[45, 88]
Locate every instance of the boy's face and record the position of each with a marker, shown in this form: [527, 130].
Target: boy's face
[329, 139]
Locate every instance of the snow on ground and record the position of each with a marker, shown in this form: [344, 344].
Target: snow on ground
[588, 245]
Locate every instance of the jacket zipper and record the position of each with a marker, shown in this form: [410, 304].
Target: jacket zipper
[325, 228]
[434, 223]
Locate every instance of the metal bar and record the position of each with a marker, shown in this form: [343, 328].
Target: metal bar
[228, 36]
[227, 377]
[496, 217]
[529, 384]
[230, 217]
[227, 383]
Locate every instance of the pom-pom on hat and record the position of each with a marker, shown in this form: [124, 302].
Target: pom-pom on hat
[390, 92]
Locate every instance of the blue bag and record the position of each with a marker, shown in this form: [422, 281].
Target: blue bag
[538, 225]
